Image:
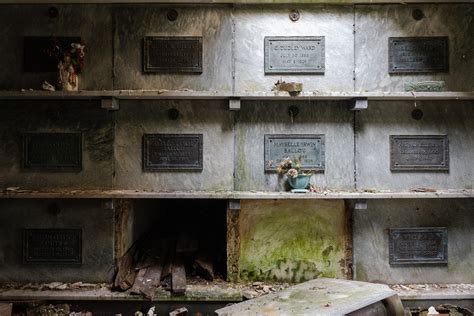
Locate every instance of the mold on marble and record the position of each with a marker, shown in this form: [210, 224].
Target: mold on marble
[291, 242]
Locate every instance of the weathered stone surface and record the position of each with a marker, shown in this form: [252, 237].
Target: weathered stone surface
[321, 297]
[97, 239]
[294, 242]
[375, 23]
[86, 117]
[136, 118]
[331, 119]
[382, 119]
[212, 23]
[371, 240]
[93, 23]
[253, 23]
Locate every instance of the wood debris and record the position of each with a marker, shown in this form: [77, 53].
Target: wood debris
[165, 260]
[423, 189]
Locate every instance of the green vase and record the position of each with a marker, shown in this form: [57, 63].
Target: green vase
[299, 182]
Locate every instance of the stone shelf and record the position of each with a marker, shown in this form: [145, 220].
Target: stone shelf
[228, 1]
[237, 195]
[434, 291]
[193, 293]
[216, 95]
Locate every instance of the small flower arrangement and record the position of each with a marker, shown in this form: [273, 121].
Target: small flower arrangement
[292, 167]
[70, 66]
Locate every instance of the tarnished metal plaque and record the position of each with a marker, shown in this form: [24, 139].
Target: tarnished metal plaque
[307, 146]
[419, 152]
[172, 151]
[418, 54]
[297, 54]
[418, 245]
[52, 246]
[52, 151]
[172, 54]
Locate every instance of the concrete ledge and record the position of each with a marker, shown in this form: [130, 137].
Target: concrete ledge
[162, 94]
[193, 293]
[434, 291]
[137, 194]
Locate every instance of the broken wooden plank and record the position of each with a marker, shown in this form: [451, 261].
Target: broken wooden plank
[204, 267]
[126, 273]
[182, 311]
[178, 276]
[152, 279]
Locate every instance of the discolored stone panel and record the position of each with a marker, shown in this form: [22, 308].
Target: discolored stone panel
[418, 245]
[172, 152]
[172, 54]
[418, 54]
[52, 246]
[419, 152]
[52, 151]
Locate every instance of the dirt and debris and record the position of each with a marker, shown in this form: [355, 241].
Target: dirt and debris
[445, 309]
[293, 88]
[422, 189]
[54, 310]
[433, 287]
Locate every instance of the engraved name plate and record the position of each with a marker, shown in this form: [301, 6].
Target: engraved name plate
[418, 54]
[310, 147]
[419, 152]
[172, 151]
[297, 55]
[52, 151]
[418, 245]
[172, 54]
[52, 246]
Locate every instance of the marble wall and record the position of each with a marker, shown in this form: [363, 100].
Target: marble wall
[382, 119]
[376, 23]
[86, 117]
[97, 239]
[371, 257]
[257, 118]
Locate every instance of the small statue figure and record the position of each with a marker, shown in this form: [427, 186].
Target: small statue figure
[67, 77]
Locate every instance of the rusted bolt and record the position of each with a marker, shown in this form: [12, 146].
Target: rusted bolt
[172, 15]
[294, 15]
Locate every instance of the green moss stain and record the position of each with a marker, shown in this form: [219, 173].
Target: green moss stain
[291, 241]
[360, 273]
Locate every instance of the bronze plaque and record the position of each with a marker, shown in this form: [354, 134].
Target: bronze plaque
[42, 53]
[172, 54]
[307, 146]
[418, 245]
[294, 54]
[418, 54]
[419, 153]
[52, 246]
[52, 151]
[172, 152]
